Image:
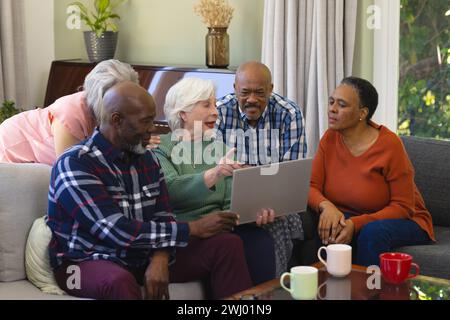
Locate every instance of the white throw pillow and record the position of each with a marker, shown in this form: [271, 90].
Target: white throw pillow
[37, 260]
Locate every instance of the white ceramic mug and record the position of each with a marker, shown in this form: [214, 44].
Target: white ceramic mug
[339, 259]
[336, 289]
[303, 282]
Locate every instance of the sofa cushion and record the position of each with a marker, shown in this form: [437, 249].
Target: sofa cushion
[23, 198]
[433, 259]
[431, 161]
[25, 290]
[187, 291]
[37, 260]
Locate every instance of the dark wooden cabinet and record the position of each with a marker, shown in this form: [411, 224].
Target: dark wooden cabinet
[67, 77]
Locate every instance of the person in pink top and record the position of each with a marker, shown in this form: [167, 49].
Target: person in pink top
[42, 135]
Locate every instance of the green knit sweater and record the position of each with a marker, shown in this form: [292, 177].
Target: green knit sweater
[189, 196]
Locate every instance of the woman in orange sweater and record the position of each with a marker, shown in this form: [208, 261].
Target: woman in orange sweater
[362, 181]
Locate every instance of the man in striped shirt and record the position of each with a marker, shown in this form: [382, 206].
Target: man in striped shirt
[110, 217]
[263, 126]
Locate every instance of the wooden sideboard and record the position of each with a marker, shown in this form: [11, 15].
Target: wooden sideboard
[67, 77]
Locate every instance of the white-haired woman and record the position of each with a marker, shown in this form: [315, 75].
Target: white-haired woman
[197, 175]
[42, 135]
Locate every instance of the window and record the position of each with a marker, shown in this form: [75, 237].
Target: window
[424, 65]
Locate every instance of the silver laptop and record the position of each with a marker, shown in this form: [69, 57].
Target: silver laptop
[283, 187]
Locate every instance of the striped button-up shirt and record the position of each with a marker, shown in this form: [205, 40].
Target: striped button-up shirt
[105, 204]
[278, 136]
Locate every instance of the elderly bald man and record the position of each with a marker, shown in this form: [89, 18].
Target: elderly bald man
[263, 126]
[110, 217]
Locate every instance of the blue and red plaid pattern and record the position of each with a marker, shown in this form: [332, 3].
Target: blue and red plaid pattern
[105, 204]
[278, 136]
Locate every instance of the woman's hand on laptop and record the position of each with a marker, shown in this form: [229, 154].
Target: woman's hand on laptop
[224, 168]
[265, 216]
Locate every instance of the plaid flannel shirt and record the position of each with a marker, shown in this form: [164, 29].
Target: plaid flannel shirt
[278, 136]
[108, 205]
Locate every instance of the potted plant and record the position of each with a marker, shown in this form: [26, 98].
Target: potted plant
[101, 40]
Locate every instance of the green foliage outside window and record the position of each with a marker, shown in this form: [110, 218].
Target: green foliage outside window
[430, 290]
[424, 95]
[8, 110]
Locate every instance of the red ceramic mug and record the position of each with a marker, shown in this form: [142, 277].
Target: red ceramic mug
[395, 267]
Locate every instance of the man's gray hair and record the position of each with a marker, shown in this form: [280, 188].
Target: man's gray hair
[104, 76]
[183, 96]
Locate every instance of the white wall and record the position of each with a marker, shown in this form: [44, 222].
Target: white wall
[167, 32]
[40, 47]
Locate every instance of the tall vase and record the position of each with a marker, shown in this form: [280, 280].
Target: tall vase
[217, 47]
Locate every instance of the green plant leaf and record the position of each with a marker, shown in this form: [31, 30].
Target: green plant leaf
[86, 19]
[101, 5]
[82, 7]
[98, 21]
[113, 27]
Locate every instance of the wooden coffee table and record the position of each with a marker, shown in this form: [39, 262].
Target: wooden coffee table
[355, 287]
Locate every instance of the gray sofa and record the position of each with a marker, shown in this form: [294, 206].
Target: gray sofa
[23, 198]
[431, 161]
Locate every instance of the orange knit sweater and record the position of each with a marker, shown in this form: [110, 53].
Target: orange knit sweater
[378, 184]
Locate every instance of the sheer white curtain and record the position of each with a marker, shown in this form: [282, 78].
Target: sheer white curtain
[308, 45]
[13, 77]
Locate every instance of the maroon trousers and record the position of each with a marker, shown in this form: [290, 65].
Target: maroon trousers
[220, 259]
